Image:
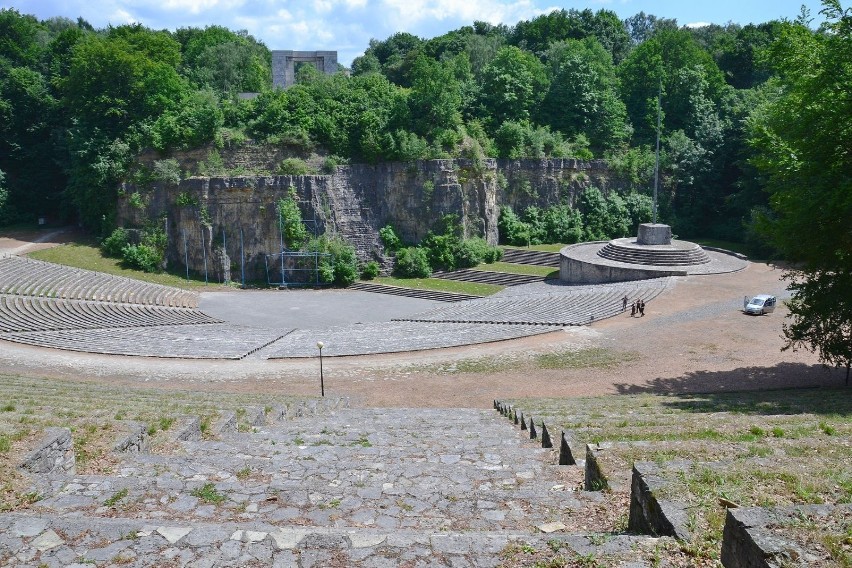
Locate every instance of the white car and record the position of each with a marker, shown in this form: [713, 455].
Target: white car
[761, 304]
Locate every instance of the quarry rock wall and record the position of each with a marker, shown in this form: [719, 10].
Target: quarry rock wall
[230, 223]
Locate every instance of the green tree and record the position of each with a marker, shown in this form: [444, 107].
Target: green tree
[435, 98]
[583, 96]
[803, 139]
[514, 83]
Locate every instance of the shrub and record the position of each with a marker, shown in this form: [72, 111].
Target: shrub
[330, 164]
[143, 257]
[114, 244]
[389, 238]
[475, 251]
[442, 250]
[341, 268]
[295, 232]
[412, 262]
[294, 167]
[166, 171]
[370, 270]
[562, 224]
[511, 229]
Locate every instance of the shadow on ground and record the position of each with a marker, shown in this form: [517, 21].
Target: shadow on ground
[759, 390]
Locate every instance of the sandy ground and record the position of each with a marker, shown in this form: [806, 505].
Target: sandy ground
[693, 338]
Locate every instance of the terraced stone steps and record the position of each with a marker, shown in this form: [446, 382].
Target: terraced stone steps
[29, 277]
[410, 292]
[538, 258]
[137, 543]
[375, 487]
[654, 256]
[27, 313]
[570, 307]
[488, 277]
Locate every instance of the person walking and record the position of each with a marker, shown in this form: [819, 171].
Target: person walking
[641, 308]
[624, 303]
[633, 309]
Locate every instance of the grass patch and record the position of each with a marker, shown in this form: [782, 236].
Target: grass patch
[526, 269]
[86, 254]
[555, 247]
[208, 494]
[440, 285]
[756, 448]
[597, 357]
[116, 497]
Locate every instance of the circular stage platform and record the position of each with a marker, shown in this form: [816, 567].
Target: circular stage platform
[625, 260]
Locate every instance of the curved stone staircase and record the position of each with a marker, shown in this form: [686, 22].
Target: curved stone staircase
[680, 253]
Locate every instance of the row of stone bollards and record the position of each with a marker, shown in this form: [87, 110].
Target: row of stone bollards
[566, 457]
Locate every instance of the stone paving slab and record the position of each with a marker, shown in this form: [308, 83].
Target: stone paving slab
[135, 543]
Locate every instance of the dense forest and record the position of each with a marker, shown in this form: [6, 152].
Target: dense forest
[77, 105]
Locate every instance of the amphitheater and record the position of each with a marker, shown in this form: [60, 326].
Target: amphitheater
[107, 475]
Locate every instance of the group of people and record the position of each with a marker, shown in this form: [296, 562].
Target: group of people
[638, 306]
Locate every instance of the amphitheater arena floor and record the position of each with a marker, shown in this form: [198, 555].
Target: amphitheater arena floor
[693, 338]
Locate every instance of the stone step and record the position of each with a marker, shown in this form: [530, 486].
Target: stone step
[410, 292]
[654, 256]
[54, 542]
[489, 277]
[430, 507]
[539, 258]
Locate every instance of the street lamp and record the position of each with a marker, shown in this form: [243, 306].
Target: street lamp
[320, 345]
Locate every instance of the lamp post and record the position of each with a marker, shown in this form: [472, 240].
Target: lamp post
[320, 345]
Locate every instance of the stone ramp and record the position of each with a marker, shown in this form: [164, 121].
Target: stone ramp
[382, 487]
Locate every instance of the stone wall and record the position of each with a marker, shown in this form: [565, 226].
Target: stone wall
[354, 202]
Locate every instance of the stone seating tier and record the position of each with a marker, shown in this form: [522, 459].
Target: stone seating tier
[679, 253]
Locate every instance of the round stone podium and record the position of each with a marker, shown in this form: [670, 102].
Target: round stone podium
[652, 254]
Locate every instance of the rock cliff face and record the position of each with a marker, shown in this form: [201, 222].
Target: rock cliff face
[218, 221]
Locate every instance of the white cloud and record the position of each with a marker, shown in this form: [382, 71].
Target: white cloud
[698, 25]
[406, 14]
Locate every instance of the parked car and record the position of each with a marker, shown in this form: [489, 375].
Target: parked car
[761, 304]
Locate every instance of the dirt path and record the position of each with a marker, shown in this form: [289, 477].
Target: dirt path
[23, 242]
[692, 339]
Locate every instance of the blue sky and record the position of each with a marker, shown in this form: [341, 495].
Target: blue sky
[347, 25]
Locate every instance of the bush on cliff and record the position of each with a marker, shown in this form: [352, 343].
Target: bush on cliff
[341, 267]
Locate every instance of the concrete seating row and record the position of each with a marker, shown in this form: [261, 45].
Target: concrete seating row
[28, 277]
[28, 313]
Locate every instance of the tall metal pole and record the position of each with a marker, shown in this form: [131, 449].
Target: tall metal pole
[320, 345]
[225, 249]
[185, 255]
[657, 154]
[281, 239]
[204, 252]
[242, 258]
